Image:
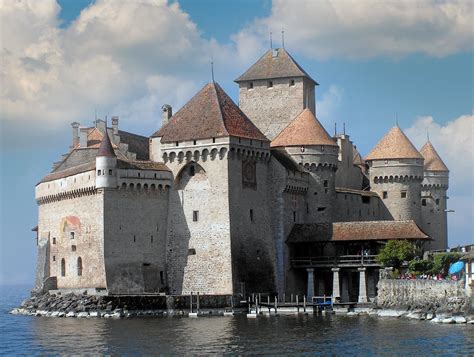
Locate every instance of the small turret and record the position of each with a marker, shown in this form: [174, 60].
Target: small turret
[106, 164]
[434, 198]
[396, 173]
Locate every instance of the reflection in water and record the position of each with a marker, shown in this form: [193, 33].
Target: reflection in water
[238, 335]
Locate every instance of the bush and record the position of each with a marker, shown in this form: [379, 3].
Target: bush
[418, 266]
[396, 252]
[442, 262]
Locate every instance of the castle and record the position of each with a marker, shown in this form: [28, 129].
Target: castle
[226, 199]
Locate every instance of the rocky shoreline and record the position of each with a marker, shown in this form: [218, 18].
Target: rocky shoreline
[91, 306]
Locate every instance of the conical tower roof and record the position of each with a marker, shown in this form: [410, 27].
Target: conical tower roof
[433, 161]
[211, 113]
[275, 63]
[394, 145]
[105, 148]
[306, 130]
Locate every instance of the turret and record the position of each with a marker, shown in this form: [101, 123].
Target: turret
[434, 198]
[309, 144]
[396, 173]
[106, 164]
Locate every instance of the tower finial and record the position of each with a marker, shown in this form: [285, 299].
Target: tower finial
[271, 42]
[282, 38]
[335, 129]
[212, 71]
[396, 119]
[427, 134]
[344, 128]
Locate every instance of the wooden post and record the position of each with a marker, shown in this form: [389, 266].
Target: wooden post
[276, 304]
[197, 303]
[291, 298]
[191, 302]
[304, 303]
[249, 305]
[284, 298]
[297, 305]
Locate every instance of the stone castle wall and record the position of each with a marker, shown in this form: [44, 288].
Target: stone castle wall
[434, 217]
[353, 206]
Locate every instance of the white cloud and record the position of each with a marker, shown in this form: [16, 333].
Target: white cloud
[362, 29]
[327, 107]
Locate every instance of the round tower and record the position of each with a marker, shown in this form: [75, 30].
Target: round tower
[434, 198]
[309, 144]
[106, 164]
[396, 173]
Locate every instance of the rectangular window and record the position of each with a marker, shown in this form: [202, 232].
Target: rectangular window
[54, 240]
[250, 86]
[403, 194]
[326, 183]
[195, 216]
[270, 84]
[321, 209]
[72, 235]
[110, 172]
[307, 208]
[162, 277]
[194, 142]
[213, 140]
[251, 215]
[292, 82]
[134, 239]
[423, 202]
[54, 258]
[437, 202]
[366, 199]
[294, 216]
[151, 239]
[98, 172]
[177, 143]
[73, 248]
[384, 194]
[191, 251]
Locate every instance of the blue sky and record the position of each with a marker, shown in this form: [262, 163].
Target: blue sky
[374, 62]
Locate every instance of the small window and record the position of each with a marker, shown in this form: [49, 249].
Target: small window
[275, 52]
[134, 239]
[322, 148]
[326, 190]
[366, 199]
[194, 142]
[437, 202]
[54, 240]
[294, 216]
[307, 208]
[386, 162]
[321, 209]
[73, 248]
[191, 251]
[345, 197]
[325, 183]
[72, 235]
[292, 82]
[251, 215]
[79, 266]
[138, 174]
[98, 172]
[192, 170]
[177, 143]
[213, 140]
[195, 216]
[403, 194]
[151, 239]
[63, 267]
[146, 264]
[384, 194]
[162, 277]
[269, 84]
[155, 175]
[54, 258]
[423, 202]
[110, 172]
[250, 85]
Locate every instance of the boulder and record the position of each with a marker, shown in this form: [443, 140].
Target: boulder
[459, 319]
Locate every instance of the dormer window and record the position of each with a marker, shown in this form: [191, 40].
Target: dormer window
[275, 52]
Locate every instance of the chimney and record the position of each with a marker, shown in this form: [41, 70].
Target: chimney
[83, 137]
[75, 134]
[167, 114]
[115, 125]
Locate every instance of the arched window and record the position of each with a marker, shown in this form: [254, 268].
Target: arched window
[63, 267]
[79, 266]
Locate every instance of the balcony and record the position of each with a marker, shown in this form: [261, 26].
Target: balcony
[342, 261]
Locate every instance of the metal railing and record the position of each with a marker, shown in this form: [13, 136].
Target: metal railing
[334, 261]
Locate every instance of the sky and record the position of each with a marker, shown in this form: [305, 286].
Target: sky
[375, 61]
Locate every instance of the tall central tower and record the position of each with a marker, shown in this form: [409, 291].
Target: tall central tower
[274, 90]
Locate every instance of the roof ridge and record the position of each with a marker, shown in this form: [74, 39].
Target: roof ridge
[213, 85]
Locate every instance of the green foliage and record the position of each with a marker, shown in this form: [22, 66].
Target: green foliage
[418, 266]
[442, 261]
[396, 252]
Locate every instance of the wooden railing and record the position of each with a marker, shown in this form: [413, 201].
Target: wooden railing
[335, 261]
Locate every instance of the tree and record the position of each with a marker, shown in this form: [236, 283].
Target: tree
[442, 262]
[396, 252]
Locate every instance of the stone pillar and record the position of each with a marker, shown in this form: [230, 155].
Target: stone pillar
[310, 290]
[336, 293]
[362, 286]
[345, 288]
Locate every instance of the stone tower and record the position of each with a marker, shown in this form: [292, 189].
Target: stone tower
[434, 198]
[219, 160]
[274, 90]
[396, 173]
[106, 164]
[309, 144]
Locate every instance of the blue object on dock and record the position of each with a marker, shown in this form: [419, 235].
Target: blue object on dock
[456, 267]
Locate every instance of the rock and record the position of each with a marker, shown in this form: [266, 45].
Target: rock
[471, 322]
[107, 315]
[447, 320]
[15, 311]
[83, 314]
[352, 313]
[391, 313]
[55, 314]
[71, 314]
[94, 314]
[429, 316]
[459, 319]
[61, 314]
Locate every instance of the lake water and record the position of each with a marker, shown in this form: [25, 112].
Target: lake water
[283, 335]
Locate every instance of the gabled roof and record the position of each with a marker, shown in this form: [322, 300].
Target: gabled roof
[211, 113]
[394, 145]
[305, 129]
[433, 161]
[356, 231]
[269, 66]
[105, 148]
[357, 158]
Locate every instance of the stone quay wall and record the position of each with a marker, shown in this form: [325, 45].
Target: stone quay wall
[424, 295]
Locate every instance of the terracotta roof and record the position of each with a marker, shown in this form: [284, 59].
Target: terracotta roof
[69, 172]
[356, 231]
[305, 129]
[142, 165]
[433, 161]
[269, 66]
[394, 145]
[209, 114]
[286, 160]
[105, 148]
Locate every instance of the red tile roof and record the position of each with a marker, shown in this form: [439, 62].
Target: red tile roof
[356, 231]
[305, 129]
[275, 63]
[105, 148]
[394, 145]
[433, 161]
[211, 113]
